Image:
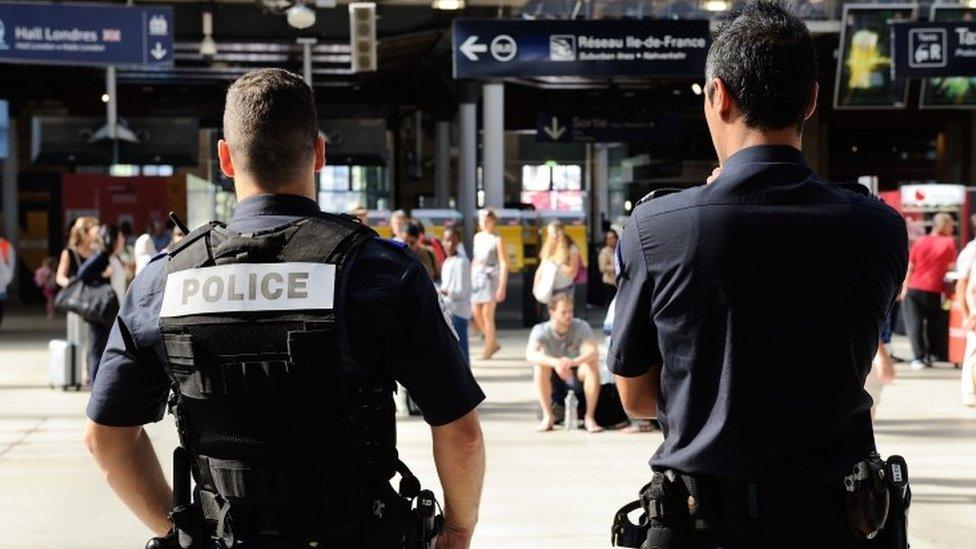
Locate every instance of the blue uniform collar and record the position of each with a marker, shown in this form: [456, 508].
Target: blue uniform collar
[762, 154]
[275, 204]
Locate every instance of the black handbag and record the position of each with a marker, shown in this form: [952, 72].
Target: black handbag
[96, 302]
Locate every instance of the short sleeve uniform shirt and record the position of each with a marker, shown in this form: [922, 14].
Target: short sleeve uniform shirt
[390, 319]
[762, 297]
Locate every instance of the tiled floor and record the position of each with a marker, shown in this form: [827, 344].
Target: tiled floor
[556, 489]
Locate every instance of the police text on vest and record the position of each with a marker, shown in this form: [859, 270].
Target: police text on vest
[249, 287]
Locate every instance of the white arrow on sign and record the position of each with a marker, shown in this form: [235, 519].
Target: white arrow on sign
[158, 52]
[470, 48]
[554, 130]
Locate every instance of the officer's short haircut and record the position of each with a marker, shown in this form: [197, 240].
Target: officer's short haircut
[271, 126]
[766, 58]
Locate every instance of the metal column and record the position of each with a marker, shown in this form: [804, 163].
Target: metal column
[467, 167]
[112, 112]
[307, 44]
[442, 164]
[601, 189]
[493, 136]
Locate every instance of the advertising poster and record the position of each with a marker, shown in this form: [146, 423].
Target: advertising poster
[957, 92]
[864, 69]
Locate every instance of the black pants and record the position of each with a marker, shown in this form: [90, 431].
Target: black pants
[609, 292]
[2, 301]
[96, 346]
[923, 323]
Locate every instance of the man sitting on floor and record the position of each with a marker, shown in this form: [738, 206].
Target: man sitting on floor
[565, 345]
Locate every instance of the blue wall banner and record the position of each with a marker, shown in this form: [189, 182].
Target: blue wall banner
[495, 48]
[924, 50]
[600, 128]
[86, 34]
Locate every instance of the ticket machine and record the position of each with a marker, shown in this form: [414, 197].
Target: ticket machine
[379, 220]
[436, 220]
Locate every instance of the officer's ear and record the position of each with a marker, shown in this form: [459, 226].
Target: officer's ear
[226, 163]
[319, 152]
[812, 106]
[719, 98]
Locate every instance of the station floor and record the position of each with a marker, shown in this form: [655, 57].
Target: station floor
[556, 489]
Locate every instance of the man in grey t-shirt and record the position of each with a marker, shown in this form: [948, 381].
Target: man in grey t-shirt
[564, 345]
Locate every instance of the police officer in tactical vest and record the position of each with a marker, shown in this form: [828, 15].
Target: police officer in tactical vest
[280, 337]
[747, 315]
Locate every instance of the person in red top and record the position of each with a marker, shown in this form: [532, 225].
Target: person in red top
[928, 262]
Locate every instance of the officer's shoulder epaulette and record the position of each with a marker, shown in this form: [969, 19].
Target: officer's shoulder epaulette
[657, 193]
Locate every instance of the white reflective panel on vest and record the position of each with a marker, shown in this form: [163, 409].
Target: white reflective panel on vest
[249, 287]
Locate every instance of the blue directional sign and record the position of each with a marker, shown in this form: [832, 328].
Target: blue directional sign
[86, 34]
[603, 128]
[923, 50]
[492, 48]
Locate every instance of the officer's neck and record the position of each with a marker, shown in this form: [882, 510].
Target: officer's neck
[740, 136]
[246, 187]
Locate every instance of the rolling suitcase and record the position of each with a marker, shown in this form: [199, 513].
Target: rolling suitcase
[62, 368]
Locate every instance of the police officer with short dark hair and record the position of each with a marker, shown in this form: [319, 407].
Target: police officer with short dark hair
[282, 335]
[748, 312]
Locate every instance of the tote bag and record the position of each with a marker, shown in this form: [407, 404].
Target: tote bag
[545, 281]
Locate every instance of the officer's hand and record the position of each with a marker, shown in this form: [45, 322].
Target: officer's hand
[715, 173]
[453, 537]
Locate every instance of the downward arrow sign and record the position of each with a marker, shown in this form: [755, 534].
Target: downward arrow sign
[470, 48]
[158, 52]
[554, 130]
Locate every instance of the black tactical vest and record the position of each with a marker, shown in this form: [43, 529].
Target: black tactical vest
[285, 440]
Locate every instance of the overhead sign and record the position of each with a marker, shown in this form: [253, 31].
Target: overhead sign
[86, 34]
[602, 128]
[490, 48]
[924, 50]
[932, 195]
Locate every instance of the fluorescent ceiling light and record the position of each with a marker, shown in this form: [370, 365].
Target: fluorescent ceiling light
[716, 5]
[447, 4]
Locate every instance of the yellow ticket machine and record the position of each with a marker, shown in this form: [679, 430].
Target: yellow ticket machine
[379, 220]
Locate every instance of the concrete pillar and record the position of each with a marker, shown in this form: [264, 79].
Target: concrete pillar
[493, 138]
[8, 186]
[468, 167]
[442, 164]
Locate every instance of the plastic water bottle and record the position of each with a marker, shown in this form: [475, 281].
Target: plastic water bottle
[571, 421]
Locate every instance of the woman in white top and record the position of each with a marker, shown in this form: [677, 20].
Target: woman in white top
[560, 249]
[489, 277]
[456, 286]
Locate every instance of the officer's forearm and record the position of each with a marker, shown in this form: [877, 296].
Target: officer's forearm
[459, 452]
[132, 469]
[639, 394]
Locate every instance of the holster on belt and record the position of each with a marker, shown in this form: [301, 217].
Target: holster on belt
[867, 497]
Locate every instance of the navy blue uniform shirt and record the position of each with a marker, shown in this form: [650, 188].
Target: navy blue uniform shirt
[762, 296]
[389, 318]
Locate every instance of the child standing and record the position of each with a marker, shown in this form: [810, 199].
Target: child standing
[44, 279]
